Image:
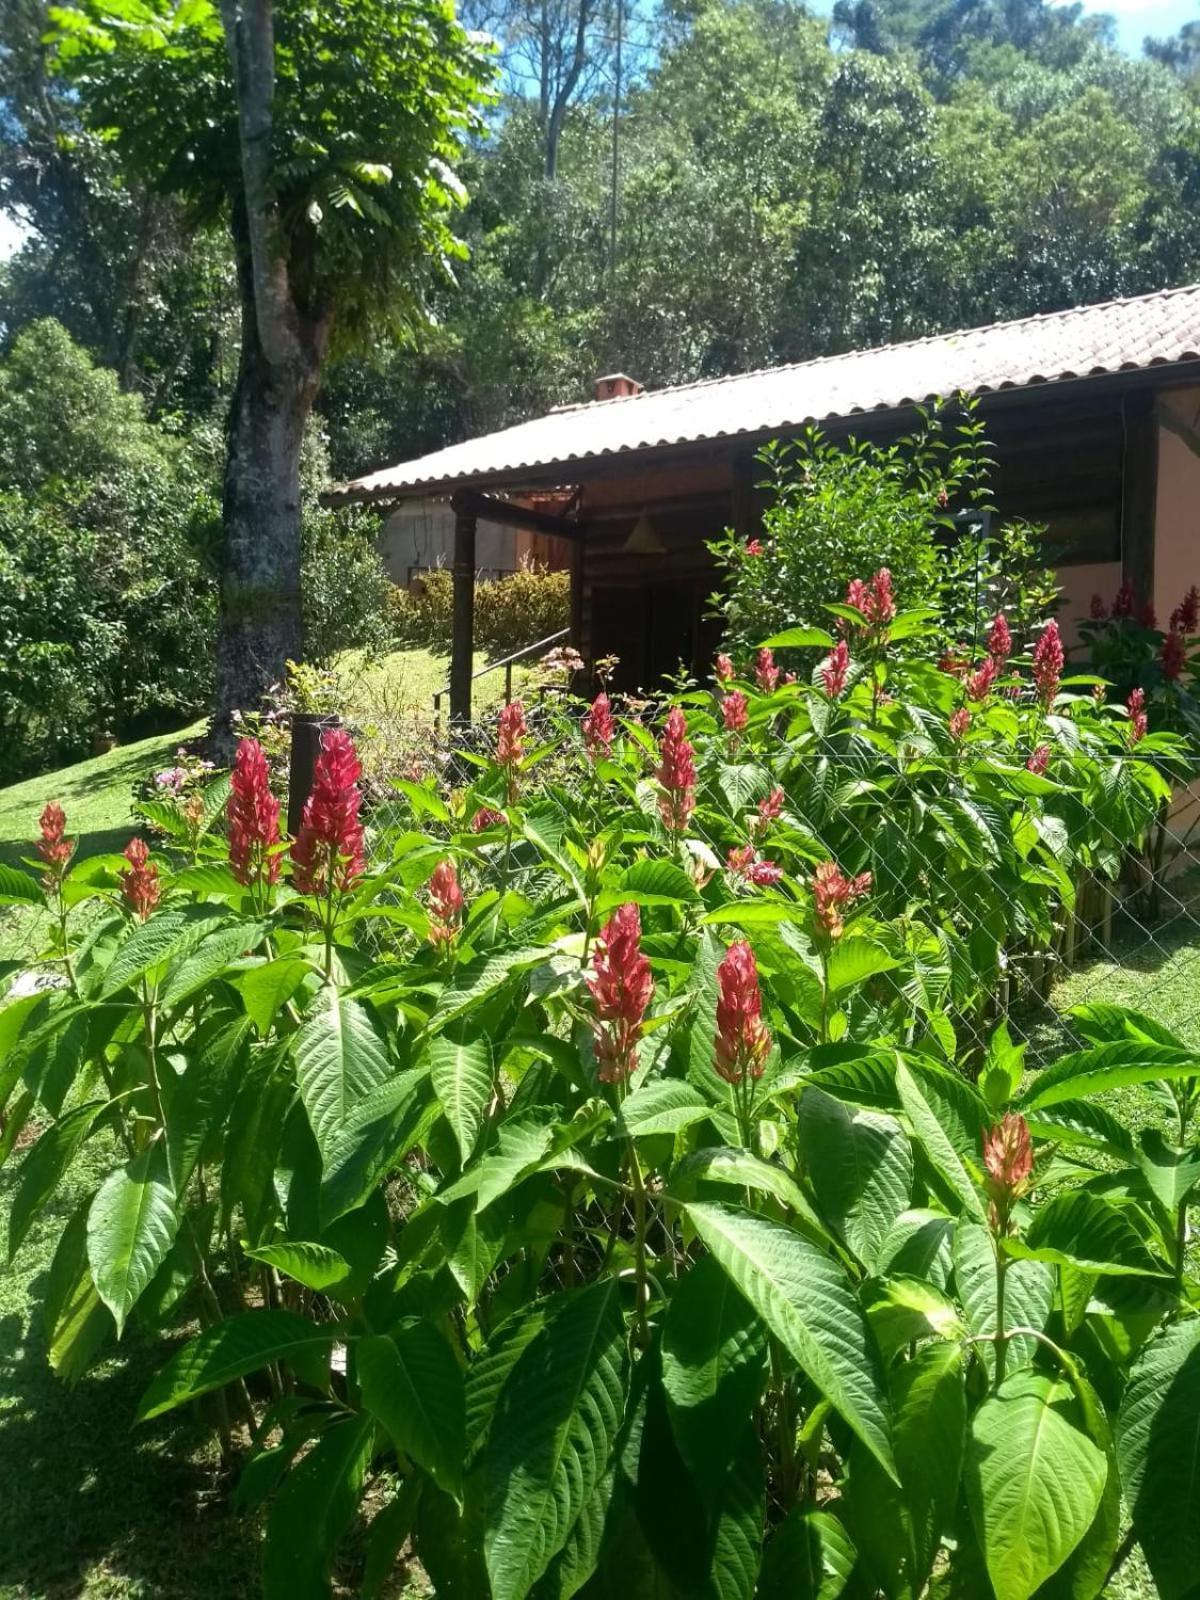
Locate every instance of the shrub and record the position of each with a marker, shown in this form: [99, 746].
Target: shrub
[510, 612]
[632, 1182]
[346, 590]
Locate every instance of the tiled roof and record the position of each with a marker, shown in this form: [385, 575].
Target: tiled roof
[1121, 335]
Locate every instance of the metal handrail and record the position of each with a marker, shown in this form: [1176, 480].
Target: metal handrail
[507, 662]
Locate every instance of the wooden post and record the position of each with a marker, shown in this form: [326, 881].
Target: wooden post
[462, 639]
[575, 638]
[1139, 491]
[307, 731]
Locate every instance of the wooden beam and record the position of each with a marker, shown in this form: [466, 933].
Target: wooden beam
[508, 515]
[462, 638]
[1139, 493]
[577, 586]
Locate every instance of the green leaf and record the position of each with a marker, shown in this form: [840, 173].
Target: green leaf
[861, 1167]
[653, 883]
[43, 1167]
[166, 937]
[1109, 1066]
[313, 1512]
[739, 1169]
[1028, 1293]
[19, 888]
[799, 639]
[462, 1075]
[934, 1129]
[809, 1557]
[210, 957]
[201, 1097]
[1033, 1481]
[340, 1059]
[380, 1133]
[131, 1226]
[76, 1320]
[231, 1349]
[1171, 1173]
[264, 989]
[808, 1303]
[661, 1105]
[553, 1432]
[853, 960]
[1082, 1122]
[316, 1266]
[1158, 1449]
[413, 1385]
[481, 978]
[1084, 1230]
[737, 1542]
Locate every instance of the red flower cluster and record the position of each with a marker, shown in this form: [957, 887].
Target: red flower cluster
[676, 774]
[833, 892]
[1124, 603]
[1139, 723]
[754, 547]
[742, 1041]
[769, 809]
[327, 853]
[959, 723]
[954, 662]
[735, 711]
[744, 862]
[1099, 611]
[485, 818]
[1008, 1162]
[509, 748]
[979, 683]
[724, 668]
[835, 669]
[999, 642]
[140, 888]
[53, 845]
[1174, 656]
[1048, 662]
[1147, 615]
[1039, 760]
[766, 673]
[253, 814]
[1186, 615]
[621, 986]
[599, 729]
[875, 599]
[446, 904]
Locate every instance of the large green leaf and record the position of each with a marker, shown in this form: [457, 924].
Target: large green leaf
[166, 937]
[855, 959]
[662, 1105]
[929, 1104]
[737, 1536]
[861, 1167]
[1028, 1293]
[76, 1320]
[232, 1348]
[553, 1431]
[18, 888]
[412, 1383]
[1171, 1171]
[382, 1129]
[210, 957]
[737, 1168]
[461, 1074]
[43, 1167]
[809, 1557]
[340, 1059]
[808, 1303]
[131, 1226]
[316, 1266]
[264, 989]
[1158, 1449]
[1084, 1230]
[1034, 1483]
[1109, 1066]
[314, 1510]
[481, 978]
[202, 1095]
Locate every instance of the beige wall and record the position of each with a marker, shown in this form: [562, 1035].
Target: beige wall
[1177, 514]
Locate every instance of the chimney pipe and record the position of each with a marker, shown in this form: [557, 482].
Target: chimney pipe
[616, 386]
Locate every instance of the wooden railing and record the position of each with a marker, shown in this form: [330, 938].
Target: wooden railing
[508, 663]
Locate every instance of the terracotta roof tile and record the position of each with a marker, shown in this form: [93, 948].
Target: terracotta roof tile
[1120, 335]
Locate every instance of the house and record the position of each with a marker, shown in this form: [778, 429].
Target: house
[1094, 413]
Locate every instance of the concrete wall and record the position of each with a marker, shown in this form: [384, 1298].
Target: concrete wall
[420, 534]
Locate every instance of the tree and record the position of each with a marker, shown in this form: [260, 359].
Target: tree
[325, 137]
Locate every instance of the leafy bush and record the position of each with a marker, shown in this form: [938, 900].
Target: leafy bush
[510, 612]
[345, 585]
[607, 1187]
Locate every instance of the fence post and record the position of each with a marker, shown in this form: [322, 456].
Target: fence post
[307, 728]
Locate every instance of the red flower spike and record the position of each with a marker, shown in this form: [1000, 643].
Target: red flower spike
[835, 669]
[979, 683]
[676, 774]
[1039, 760]
[509, 748]
[959, 723]
[1174, 656]
[446, 903]
[53, 845]
[1098, 610]
[754, 547]
[770, 808]
[485, 818]
[621, 986]
[833, 892]
[1189, 611]
[1139, 723]
[743, 862]
[328, 851]
[253, 816]
[742, 1041]
[140, 888]
[1048, 662]
[1124, 602]
[881, 603]
[599, 729]
[1008, 1164]
[999, 641]
[766, 673]
[734, 711]
[724, 668]
[1147, 616]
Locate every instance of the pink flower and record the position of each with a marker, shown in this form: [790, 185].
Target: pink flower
[724, 668]
[1099, 611]
[833, 893]
[881, 603]
[1147, 616]
[599, 729]
[1174, 656]
[1008, 1163]
[446, 904]
[509, 748]
[959, 723]
[754, 547]
[486, 818]
[770, 807]
[1039, 760]
[742, 1041]
[53, 845]
[835, 669]
[954, 662]
[1124, 602]
[978, 684]
[1186, 615]
[1139, 723]
[999, 642]
[622, 986]
[676, 774]
[253, 815]
[1048, 663]
[734, 711]
[766, 673]
[140, 887]
[743, 862]
[857, 595]
[328, 851]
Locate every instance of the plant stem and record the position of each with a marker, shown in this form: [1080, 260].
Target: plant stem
[1001, 1332]
[639, 1248]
